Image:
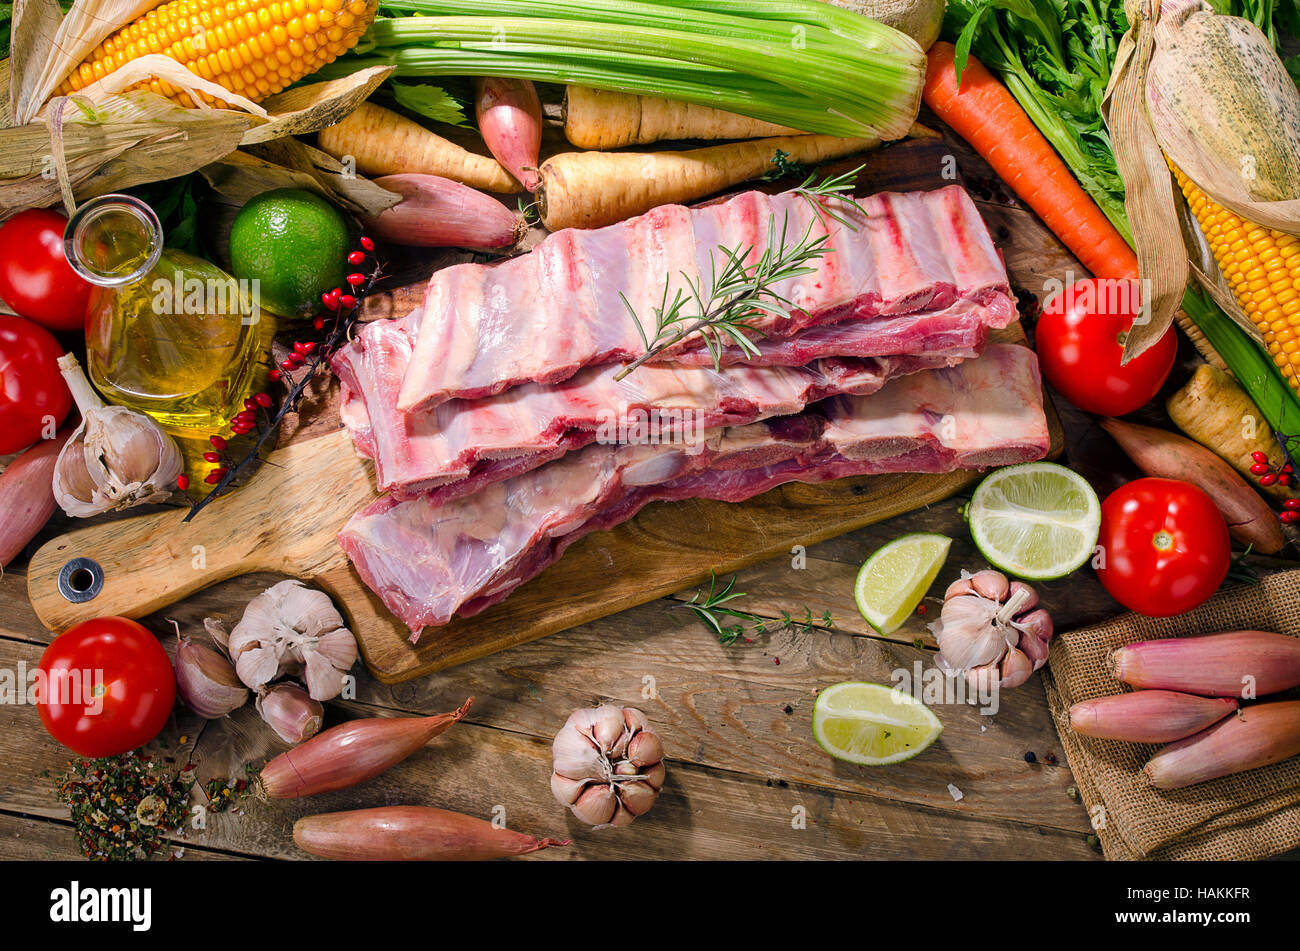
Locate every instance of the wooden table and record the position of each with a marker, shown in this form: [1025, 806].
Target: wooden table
[745, 778]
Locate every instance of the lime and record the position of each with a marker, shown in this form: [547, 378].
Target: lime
[895, 578]
[1037, 520]
[294, 244]
[872, 724]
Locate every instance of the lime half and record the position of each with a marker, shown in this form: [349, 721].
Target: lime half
[872, 724]
[894, 579]
[1037, 520]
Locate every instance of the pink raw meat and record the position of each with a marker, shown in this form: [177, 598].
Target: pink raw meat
[429, 561]
[543, 316]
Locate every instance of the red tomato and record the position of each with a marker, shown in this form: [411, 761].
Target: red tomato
[1165, 544]
[129, 687]
[32, 392]
[1080, 339]
[36, 279]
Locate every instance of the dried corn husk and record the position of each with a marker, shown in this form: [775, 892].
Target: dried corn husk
[1209, 94]
[108, 137]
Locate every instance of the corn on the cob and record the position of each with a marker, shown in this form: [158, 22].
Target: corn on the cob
[252, 47]
[1262, 266]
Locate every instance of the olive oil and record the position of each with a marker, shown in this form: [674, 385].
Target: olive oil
[167, 333]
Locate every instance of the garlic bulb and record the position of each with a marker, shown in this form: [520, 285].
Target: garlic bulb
[292, 714]
[991, 630]
[115, 459]
[608, 765]
[206, 681]
[295, 630]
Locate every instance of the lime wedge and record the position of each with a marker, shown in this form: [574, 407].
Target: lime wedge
[894, 579]
[1037, 520]
[872, 724]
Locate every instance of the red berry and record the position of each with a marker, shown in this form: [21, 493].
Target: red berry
[263, 400]
[1291, 503]
[1289, 516]
[1259, 468]
[347, 301]
[1259, 456]
[1285, 479]
[356, 257]
[274, 376]
[319, 323]
[303, 347]
[1287, 468]
[287, 364]
[367, 243]
[182, 482]
[1267, 479]
[212, 457]
[329, 301]
[217, 442]
[250, 403]
[213, 477]
[356, 279]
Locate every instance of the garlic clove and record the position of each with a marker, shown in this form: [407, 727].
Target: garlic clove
[990, 584]
[655, 775]
[622, 815]
[292, 714]
[206, 681]
[566, 790]
[637, 797]
[1030, 599]
[324, 680]
[596, 805]
[117, 458]
[339, 648]
[645, 749]
[607, 726]
[255, 666]
[1016, 668]
[576, 756]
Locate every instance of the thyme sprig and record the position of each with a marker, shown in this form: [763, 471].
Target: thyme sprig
[708, 607]
[738, 293]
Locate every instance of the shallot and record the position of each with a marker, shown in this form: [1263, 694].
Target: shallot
[1244, 664]
[509, 115]
[1255, 736]
[411, 833]
[1148, 716]
[440, 213]
[27, 495]
[352, 753]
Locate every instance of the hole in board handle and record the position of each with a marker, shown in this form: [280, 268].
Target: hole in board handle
[80, 580]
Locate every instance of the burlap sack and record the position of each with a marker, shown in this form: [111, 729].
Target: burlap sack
[1246, 816]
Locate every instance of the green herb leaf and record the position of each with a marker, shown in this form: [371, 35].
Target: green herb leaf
[432, 102]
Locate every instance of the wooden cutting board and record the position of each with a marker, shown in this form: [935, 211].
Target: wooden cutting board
[286, 521]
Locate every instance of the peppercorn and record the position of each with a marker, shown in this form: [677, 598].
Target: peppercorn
[1030, 757]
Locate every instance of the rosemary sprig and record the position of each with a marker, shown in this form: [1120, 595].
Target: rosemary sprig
[738, 293]
[708, 607]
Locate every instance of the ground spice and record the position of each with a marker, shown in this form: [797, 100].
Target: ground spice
[123, 807]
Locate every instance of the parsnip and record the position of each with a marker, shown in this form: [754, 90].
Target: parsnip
[381, 142]
[594, 189]
[1214, 410]
[604, 119]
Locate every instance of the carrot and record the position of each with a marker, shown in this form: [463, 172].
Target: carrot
[594, 189]
[381, 142]
[510, 119]
[983, 113]
[604, 119]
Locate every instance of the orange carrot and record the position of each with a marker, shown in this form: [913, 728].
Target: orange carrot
[983, 113]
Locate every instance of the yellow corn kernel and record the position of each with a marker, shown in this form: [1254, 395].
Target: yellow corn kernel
[253, 47]
[1262, 266]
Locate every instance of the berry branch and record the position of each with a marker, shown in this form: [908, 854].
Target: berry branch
[259, 413]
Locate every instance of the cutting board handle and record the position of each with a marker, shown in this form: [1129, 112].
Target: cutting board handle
[135, 566]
